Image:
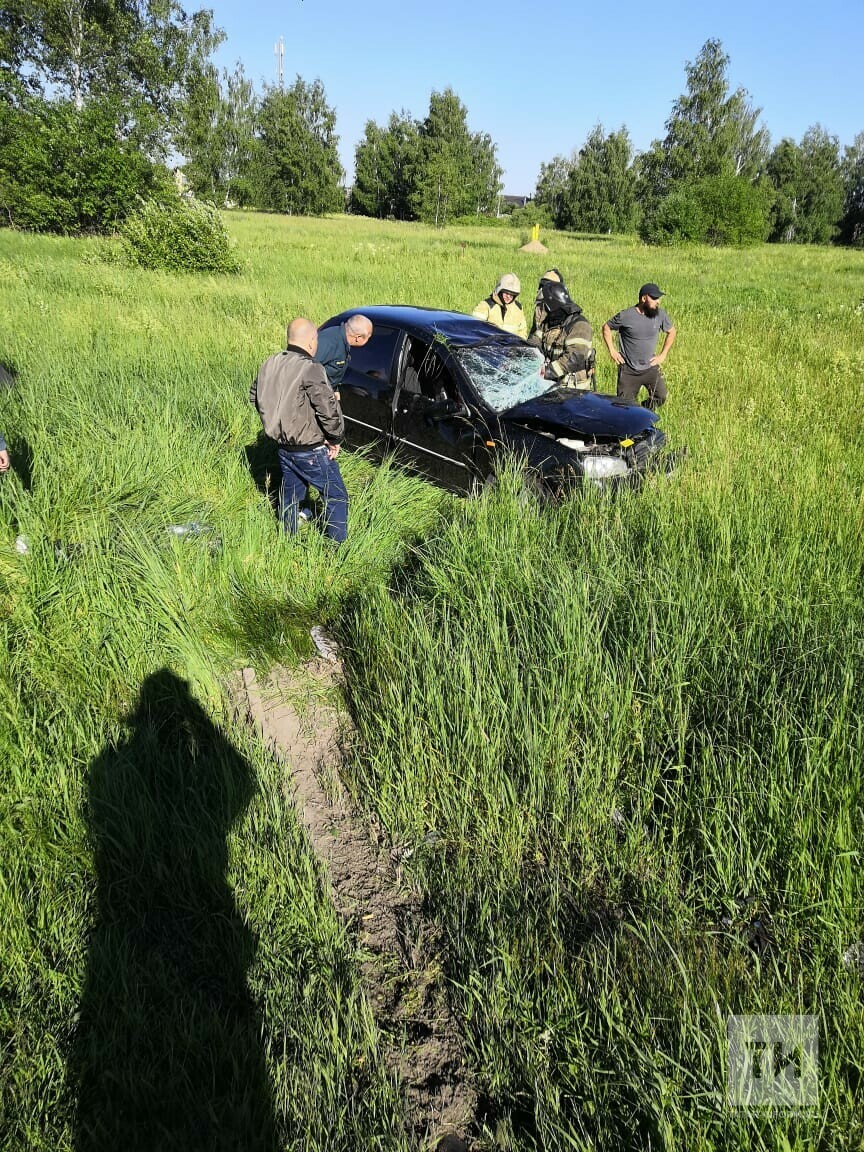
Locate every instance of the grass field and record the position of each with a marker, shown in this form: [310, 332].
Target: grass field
[633, 726]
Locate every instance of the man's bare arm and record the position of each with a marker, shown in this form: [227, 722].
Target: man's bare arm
[609, 341]
[657, 360]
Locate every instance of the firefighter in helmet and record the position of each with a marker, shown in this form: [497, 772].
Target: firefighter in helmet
[563, 334]
[502, 308]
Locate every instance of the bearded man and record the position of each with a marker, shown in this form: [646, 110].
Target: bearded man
[637, 355]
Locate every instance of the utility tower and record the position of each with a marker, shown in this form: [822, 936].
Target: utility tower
[279, 53]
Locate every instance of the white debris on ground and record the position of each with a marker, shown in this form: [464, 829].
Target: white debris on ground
[327, 647]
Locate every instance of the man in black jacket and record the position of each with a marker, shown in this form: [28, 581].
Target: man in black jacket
[301, 412]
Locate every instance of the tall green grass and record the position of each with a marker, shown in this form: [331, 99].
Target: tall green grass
[622, 736]
[638, 746]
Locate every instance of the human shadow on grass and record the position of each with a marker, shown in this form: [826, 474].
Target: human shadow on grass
[167, 1051]
[263, 460]
[21, 461]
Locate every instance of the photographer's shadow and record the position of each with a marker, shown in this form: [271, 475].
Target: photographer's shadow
[168, 1045]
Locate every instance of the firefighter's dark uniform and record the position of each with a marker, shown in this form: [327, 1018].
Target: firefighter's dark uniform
[566, 343]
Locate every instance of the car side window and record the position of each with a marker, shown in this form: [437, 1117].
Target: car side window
[424, 375]
[374, 359]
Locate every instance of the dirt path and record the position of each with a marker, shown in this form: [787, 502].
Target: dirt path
[297, 713]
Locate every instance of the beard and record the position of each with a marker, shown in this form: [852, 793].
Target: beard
[649, 311]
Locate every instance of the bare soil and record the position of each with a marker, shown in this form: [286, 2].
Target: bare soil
[298, 713]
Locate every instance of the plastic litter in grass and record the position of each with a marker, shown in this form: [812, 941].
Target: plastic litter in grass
[22, 545]
[65, 551]
[328, 649]
[197, 528]
[402, 852]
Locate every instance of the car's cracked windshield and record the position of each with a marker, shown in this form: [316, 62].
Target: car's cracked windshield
[505, 374]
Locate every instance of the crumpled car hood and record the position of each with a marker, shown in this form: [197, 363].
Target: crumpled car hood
[591, 414]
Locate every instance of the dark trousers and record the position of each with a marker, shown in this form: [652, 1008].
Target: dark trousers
[300, 470]
[630, 383]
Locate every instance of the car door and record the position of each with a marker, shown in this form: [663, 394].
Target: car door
[367, 388]
[433, 430]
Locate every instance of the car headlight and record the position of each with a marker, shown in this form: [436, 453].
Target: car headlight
[604, 467]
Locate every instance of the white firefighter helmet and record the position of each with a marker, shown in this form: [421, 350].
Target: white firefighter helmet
[509, 282]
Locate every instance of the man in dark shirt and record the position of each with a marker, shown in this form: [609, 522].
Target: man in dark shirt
[637, 356]
[335, 344]
[300, 411]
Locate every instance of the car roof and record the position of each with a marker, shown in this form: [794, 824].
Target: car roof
[455, 328]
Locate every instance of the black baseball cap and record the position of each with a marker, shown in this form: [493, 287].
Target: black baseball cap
[651, 290]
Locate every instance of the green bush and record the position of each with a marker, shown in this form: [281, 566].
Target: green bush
[179, 236]
[480, 220]
[530, 215]
[719, 210]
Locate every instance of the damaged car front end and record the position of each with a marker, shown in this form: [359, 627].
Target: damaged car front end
[567, 436]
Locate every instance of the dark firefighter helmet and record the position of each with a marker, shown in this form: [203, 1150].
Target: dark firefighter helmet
[556, 298]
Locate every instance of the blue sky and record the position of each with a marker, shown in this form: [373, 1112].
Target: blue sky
[538, 77]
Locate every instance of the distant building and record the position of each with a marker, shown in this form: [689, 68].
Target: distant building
[181, 183]
[508, 204]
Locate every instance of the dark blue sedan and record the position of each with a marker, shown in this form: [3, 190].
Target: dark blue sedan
[452, 397]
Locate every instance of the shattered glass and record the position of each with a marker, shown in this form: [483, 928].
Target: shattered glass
[505, 374]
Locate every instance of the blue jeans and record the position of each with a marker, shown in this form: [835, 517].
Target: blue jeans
[315, 468]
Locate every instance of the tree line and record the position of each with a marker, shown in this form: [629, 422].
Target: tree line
[278, 152]
[97, 99]
[433, 169]
[713, 177]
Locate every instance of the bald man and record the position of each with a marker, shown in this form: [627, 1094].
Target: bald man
[335, 344]
[301, 412]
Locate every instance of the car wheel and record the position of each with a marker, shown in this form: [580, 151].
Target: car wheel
[535, 486]
[481, 485]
